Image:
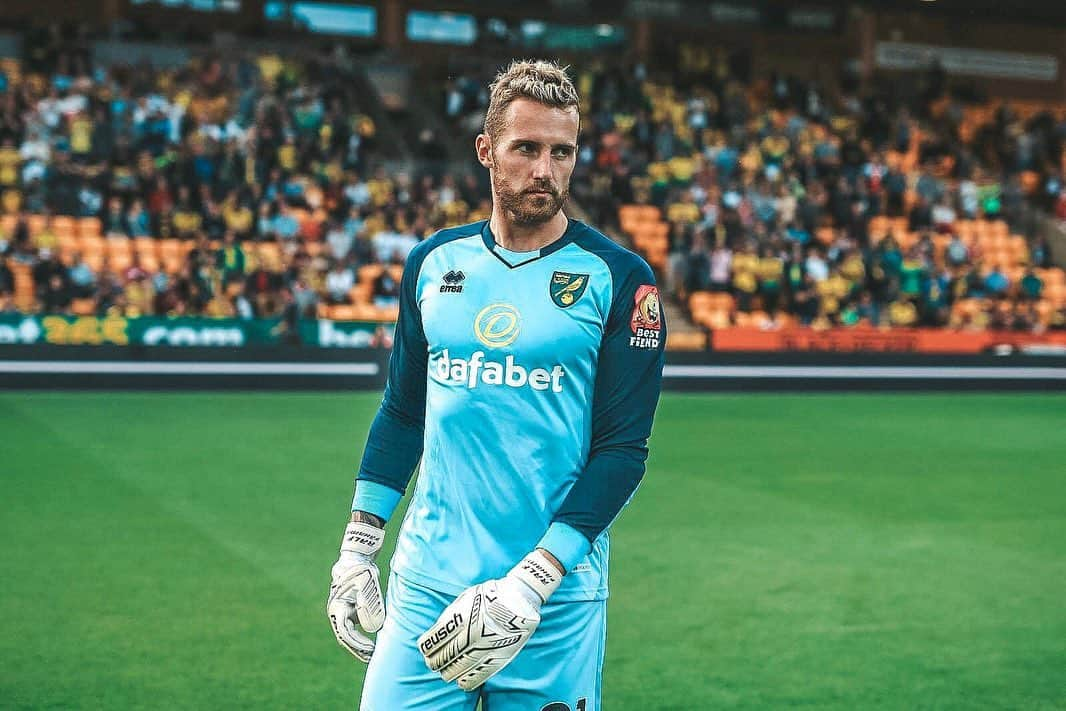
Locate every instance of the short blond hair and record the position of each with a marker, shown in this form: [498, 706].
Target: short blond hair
[538, 80]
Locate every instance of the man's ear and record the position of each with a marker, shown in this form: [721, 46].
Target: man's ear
[483, 148]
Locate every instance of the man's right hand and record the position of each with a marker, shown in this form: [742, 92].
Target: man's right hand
[355, 594]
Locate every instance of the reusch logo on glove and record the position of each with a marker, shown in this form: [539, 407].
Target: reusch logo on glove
[443, 631]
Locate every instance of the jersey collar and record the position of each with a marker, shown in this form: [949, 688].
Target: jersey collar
[513, 260]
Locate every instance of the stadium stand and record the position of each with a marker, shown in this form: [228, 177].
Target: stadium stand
[768, 206]
[226, 187]
[207, 190]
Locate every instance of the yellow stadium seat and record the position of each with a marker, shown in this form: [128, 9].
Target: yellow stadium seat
[89, 227]
[368, 273]
[36, 224]
[63, 225]
[342, 312]
[83, 307]
[700, 301]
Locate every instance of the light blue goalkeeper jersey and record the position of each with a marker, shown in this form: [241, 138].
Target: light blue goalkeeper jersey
[527, 383]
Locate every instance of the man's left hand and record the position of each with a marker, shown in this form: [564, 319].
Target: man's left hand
[488, 624]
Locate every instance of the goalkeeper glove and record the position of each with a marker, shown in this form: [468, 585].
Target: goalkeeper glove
[355, 593]
[488, 624]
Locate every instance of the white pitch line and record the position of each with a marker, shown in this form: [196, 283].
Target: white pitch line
[192, 368]
[864, 372]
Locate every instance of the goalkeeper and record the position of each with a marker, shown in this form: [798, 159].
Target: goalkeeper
[525, 373]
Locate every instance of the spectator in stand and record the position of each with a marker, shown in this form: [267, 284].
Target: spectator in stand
[902, 313]
[214, 225]
[1031, 286]
[805, 300]
[833, 292]
[386, 291]
[695, 271]
[285, 225]
[1041, 253]
[721, 268]
[7, 278]
[242, 306]
[185, 219]
[339, 283]
[996, 283]
[229, 259]
[237, 216]
[956, 254]
[138, 221]
[921, 216]
[771, 272]
[745, 282]
[138, 295]
[114, 220]
[339, 240]
[393, 245]
[911, 272]
[55, 296]
[816, 265]
[82, 281]
[943, 215]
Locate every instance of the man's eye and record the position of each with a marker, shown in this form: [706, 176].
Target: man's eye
[525, 147]
[562, 152]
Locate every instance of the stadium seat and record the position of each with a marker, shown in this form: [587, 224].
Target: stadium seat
[36, 223]
[171, 256]
[119, 253]
[89, 227]
[686, 340]
[25, 297]
[700, 301]
[343, 312]
[63, 225]
[147, 251]
[369, 272]
[270, 255]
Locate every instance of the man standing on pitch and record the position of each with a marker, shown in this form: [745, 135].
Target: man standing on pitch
[525, 373]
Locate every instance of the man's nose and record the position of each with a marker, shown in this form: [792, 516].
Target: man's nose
[542, 166]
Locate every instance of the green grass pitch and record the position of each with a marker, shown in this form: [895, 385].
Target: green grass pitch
[172, 551]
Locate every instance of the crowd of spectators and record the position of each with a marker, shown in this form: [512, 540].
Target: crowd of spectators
[777, 192]
[781, 195]
[228, 153]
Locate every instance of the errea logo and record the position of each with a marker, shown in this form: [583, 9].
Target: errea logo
[453, 282]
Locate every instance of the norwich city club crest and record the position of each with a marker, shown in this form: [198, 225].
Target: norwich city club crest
[567, 288]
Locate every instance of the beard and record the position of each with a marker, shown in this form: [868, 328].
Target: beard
[527, 207]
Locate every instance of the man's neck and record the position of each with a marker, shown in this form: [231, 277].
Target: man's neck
[519, 238]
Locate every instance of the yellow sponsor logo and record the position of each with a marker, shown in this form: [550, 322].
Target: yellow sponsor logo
[85, 330]
[497, 325]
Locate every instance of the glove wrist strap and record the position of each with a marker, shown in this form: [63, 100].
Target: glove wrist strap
[536, 571]
[360, 537]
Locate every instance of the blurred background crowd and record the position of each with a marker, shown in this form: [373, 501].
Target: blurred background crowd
[243, 183]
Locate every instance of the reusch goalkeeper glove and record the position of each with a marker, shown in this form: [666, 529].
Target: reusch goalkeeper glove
[355, 593]
[488, 624]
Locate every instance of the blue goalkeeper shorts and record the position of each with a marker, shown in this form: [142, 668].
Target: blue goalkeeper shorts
[559, 669]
